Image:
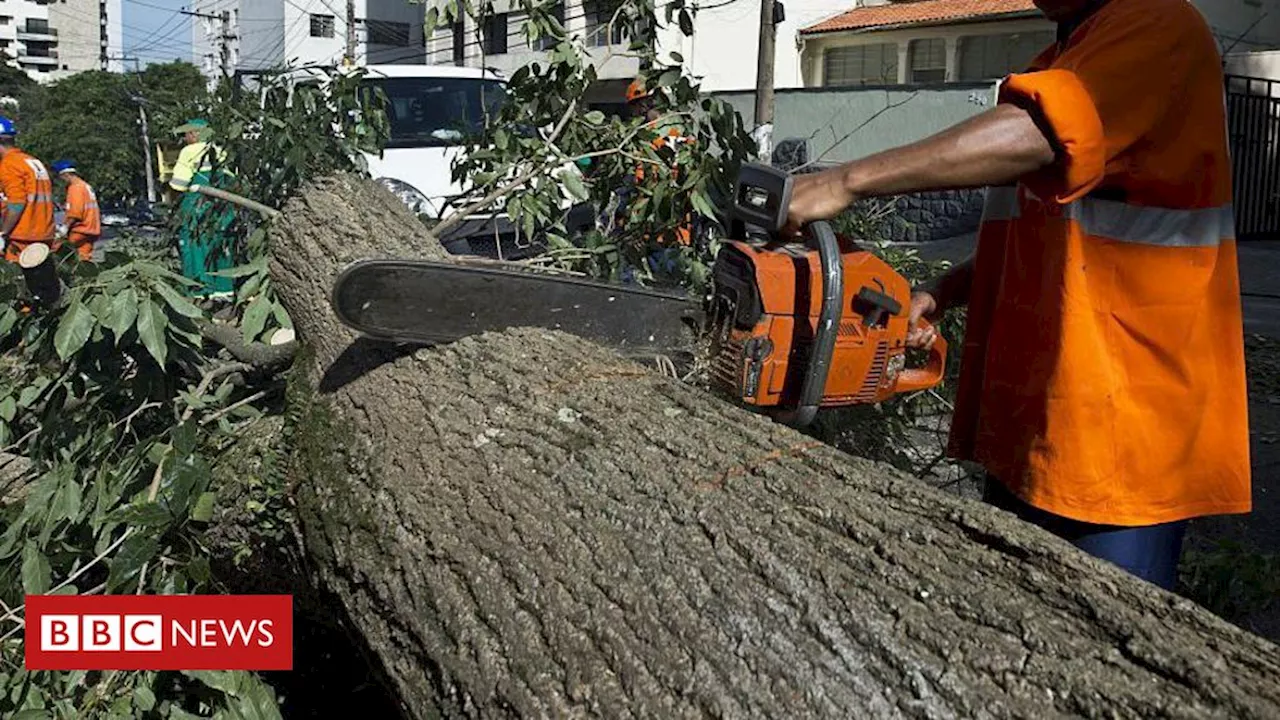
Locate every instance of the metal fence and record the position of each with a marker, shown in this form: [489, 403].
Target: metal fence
[1253, 122]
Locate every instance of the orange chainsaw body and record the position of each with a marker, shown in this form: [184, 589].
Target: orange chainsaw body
[767, 302]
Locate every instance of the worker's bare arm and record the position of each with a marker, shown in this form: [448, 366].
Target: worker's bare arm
[13, 213]
[994, 148]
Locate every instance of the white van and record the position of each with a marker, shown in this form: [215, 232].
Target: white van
[431, 108]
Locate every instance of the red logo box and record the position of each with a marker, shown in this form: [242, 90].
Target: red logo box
[159, 632]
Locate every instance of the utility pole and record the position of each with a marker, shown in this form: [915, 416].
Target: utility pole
[763, 132]
[224, 36]
[225, 40]
[146, 150]
[142, 121]
[349, 58]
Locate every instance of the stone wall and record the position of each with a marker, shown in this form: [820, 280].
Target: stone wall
[926, 217]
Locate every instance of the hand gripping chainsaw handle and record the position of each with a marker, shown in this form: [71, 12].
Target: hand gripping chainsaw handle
[913, 379]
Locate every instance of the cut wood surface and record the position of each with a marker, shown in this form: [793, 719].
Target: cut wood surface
[525, 524]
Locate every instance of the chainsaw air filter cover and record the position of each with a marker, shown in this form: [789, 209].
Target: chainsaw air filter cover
[765, 306]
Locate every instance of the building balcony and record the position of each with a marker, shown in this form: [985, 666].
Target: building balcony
[37, 32]
[49, 36]
[48, 58]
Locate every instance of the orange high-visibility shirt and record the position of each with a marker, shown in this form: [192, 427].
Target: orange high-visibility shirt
[82, 205]
[26, 180]
[1103, 374]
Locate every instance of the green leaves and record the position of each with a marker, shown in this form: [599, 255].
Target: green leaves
[573, 183]
[180, 305]
[135, 552]
[255, 318]
[151, 324]
[73, 330]
[35, 570]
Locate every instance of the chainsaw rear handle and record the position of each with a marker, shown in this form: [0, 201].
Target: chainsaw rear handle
[822, 237]
[931, 374]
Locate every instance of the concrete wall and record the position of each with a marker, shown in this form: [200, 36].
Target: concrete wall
[114, 10]
[846, 123]
[397, 11]
[609, 63]
[259, 29]
[1243, 25]
[79, 35]
[722, 50]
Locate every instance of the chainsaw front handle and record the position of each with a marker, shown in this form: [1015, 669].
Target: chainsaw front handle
[931, 374]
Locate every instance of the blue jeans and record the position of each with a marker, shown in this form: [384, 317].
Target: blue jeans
[1150, 552]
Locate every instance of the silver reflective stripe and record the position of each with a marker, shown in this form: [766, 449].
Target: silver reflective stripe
[1201, 227]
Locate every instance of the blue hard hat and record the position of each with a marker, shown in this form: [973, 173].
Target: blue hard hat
[7, 127]
[64, 165]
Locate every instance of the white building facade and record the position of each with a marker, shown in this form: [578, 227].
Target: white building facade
[247, 35]
[51, 40]
[722, 51]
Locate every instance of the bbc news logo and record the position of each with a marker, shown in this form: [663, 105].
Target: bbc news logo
[159, 632]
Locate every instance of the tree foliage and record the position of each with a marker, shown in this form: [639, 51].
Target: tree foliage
[533, 174]
[89, 117]
[121, 405]
[92, 117]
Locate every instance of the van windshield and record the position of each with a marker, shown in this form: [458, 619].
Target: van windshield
[437, 112]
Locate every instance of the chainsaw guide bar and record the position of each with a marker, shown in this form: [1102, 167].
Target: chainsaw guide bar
[432, 302]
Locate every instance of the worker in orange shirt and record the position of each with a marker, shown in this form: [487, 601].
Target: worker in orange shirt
[83, 224]
[28, 190]
[640, 100]
[1102, 383]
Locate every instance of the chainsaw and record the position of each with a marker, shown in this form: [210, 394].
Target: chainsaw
[788, 327]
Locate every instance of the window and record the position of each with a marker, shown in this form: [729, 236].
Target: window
[5, 19]
[459, 42]
[991, 57]
[547, 43]
[388, 33]
[37, 26]
[321, 26]
[495, 34]
[437, 112]
[928, 60]
[860, 65]
[599, 13]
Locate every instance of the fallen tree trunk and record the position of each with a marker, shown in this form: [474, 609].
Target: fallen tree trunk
[525, 524]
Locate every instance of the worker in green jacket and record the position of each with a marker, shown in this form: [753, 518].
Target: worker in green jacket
[204, 239]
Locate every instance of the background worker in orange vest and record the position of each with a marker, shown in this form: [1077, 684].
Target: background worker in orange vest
[28, 190]
[1102, 383]
[83, 225]
[641, 101]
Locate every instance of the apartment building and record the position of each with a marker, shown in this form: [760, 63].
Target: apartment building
[246, 35]
[51, 40]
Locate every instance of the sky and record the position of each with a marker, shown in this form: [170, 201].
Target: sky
[155, 32]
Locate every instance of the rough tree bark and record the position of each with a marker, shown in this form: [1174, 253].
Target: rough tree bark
[525, 524]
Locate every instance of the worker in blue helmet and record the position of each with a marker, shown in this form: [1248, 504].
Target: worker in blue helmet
[28, 191]
[83, 223]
